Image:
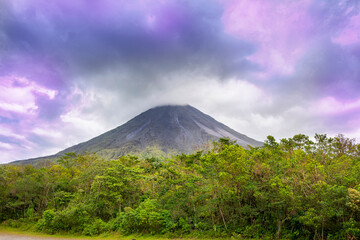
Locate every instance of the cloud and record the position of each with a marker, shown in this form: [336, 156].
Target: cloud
[75, 55]
[137, 35]
[349, 34]
[70, 70]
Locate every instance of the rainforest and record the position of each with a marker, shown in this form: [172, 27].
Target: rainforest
[294, 188]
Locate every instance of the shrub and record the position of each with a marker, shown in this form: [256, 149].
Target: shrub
[147, 218]
[97, 227]
[72, 219]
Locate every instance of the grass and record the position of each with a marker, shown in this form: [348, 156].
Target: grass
[109, 236]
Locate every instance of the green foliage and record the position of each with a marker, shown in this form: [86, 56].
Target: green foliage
[147, 218]
[293, 189]
[46, 223]
[95, 228]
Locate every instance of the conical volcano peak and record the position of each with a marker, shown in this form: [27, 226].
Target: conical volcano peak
[173, 111]
[171, 108]
[168, 128]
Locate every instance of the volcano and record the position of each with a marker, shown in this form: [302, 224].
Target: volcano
[169, 129]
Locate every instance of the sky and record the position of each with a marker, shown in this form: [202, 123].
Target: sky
[71, 70]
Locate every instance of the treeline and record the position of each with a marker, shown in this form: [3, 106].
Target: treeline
[292, 189]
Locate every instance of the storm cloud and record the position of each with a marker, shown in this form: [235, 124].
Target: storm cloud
[70, 70]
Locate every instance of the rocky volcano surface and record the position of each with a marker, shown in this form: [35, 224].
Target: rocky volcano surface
[176, 129]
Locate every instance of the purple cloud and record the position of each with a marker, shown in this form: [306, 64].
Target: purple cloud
[72, 69]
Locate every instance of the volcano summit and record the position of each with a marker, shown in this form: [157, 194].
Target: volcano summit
[168, 129]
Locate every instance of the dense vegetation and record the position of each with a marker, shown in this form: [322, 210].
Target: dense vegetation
[292, 189]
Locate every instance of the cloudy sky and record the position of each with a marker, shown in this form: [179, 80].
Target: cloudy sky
[71, 70]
